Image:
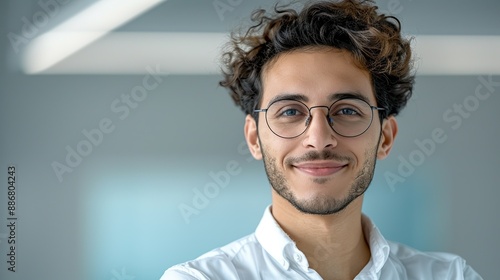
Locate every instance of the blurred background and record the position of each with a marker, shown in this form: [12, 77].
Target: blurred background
[130, 158]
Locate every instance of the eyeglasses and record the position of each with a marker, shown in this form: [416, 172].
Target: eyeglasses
[349, 117]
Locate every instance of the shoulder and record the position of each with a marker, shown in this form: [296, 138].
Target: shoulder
[429, 265]
[222, 263]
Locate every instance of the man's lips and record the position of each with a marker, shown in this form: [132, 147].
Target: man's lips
[320, 168]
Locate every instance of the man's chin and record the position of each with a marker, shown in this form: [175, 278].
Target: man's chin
[320, 205]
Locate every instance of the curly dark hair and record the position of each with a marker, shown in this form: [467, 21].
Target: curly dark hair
[374, 40]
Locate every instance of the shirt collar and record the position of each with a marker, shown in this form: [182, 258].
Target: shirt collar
[272, 238]
[379, 247]
[277, 243]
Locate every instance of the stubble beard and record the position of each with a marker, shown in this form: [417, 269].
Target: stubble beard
[324, 205]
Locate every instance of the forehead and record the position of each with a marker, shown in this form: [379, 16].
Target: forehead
[316, 74]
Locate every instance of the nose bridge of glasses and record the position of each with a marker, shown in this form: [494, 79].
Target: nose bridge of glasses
[327, 115]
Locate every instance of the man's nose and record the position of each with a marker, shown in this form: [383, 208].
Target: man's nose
[319, 133]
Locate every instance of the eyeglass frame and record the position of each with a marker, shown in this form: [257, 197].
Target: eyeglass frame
[328, 118]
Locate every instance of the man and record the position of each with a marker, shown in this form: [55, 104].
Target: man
[321, 89]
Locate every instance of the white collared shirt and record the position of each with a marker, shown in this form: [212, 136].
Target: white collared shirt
[270, 254]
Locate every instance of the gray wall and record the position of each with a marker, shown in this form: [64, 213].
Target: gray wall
[117, 212]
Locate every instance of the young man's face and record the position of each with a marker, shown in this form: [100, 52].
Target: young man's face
[318, 172]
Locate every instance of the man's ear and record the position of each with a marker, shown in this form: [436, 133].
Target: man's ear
[389, 132]
[252, 137]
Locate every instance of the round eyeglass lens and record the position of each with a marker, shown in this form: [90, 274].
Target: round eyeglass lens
[350, 117]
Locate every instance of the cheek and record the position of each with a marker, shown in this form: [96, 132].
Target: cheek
[362, 148]
[276, 148]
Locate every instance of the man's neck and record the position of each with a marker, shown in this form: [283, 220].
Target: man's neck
[334, 245]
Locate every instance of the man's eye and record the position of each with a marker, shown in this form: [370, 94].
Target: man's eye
[346, 111]
[290, 112]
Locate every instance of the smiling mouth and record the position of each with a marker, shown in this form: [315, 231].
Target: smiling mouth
[320, 169]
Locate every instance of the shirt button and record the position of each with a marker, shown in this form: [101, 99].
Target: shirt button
[298, 257]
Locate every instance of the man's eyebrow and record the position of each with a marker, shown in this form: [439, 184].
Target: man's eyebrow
[332, 97]
[343, 95]
[289, 96]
